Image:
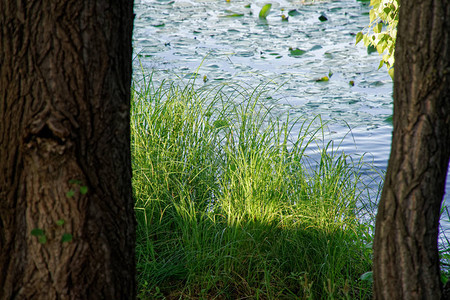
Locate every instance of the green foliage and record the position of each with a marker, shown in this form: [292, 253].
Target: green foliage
[78, 185]
[70, 193]
[382, 31]
[39, 233]
[66, 237]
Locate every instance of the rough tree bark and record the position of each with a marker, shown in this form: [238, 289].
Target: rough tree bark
[65, 169]
[406, 261]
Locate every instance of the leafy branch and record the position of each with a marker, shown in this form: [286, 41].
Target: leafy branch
[381, 32]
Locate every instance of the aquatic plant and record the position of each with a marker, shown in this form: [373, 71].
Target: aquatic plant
[230, 206]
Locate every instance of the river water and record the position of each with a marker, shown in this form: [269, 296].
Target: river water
[228, 42]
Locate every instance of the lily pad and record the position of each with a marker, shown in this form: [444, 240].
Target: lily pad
[315, 47]
[323, 17]
[389, 119]
[296, 52]
[231, 14]
[234, 15]
[324, 78]
[265, 11]
[293, 12]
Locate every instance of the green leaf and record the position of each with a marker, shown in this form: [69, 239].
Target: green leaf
[60, 222]
[42, 239]
[83, 189]
[70, 193]
[368, 276]
[390, 119]
[371, 49]
[37, 232]
[293, 12]
[324, 78]
[391, 72]
[66, 237]
[323, 18]
[378, 28]
[296, 52]
[265, 11]
[359, 37]
[234, 15]
[74, 181]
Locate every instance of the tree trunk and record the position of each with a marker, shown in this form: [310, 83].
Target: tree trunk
[406, 260]
[67, 225]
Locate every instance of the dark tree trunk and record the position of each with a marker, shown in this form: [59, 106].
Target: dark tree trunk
[406, 261]
[65, 169]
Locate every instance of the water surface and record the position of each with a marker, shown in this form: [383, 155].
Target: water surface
[227, 42]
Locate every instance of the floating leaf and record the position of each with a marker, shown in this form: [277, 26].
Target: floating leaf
[296, 52]
[234, 15]
[293, 12]
[83, 190]
[323, 18]
[389, 119]
[37, 232]
[284, 18]
[324, 78]
[368, 276]
[351, 82]
[159, 25]
[315, 47]
[66, 237]
[265, 11]
[248, 6]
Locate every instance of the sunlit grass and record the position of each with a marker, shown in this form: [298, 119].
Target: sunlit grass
[230, 207]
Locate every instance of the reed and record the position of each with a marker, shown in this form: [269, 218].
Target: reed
[230, 206]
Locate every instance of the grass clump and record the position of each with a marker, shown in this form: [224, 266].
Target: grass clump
[230, 207]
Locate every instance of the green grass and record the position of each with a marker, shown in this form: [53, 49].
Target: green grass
[229, 206]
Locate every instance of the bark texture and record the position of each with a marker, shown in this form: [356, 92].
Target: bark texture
[406, 261]
[65, 169]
